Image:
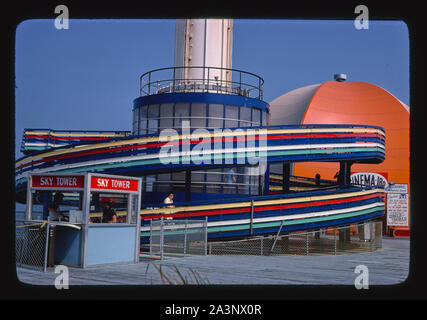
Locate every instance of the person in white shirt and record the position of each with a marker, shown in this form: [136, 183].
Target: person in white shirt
[169, 203]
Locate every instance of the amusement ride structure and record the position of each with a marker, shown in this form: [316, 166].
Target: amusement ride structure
[201, 130]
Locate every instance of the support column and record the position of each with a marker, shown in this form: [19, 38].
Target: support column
[345, 172]
[188, 185]
[47, 201]
[286, 177]
[343, 237]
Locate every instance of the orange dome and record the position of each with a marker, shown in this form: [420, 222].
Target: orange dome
[355, 102]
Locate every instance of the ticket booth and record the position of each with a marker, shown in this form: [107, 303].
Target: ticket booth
[82, 237]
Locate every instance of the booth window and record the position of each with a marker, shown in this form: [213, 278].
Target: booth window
[56, 206]
[103, 205]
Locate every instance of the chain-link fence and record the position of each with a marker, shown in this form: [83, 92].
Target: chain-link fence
[178, 237]
[31, 245]
[349, 239]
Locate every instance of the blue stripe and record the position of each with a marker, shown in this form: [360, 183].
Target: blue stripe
[200, 97]
[299, 227]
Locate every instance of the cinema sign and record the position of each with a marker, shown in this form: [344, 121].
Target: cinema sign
[369, 179]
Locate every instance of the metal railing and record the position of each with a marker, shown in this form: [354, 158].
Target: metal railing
[170, 80]
[178, 237]
[34, 140]
[31, 245]
[364, 237]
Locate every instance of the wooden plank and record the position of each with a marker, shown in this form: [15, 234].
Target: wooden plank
[389, 265]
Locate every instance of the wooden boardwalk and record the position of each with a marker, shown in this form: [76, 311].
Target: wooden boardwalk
[387, 266]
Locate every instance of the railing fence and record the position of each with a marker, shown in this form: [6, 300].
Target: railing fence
[31, 245]
[365, 237]
[178, 237]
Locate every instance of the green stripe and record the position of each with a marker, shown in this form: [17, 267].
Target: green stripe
[207, 159]
[295, 222]
[260, 225]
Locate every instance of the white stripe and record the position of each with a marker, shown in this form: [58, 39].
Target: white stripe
[261, 132]
[34, 144]
[288, 217]
[219, 151]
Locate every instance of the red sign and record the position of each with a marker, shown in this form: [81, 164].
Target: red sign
[59, 182]
[113, 184]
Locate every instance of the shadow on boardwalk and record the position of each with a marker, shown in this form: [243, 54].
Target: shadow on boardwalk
[387, 266]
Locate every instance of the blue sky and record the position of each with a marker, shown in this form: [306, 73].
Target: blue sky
[86, 77]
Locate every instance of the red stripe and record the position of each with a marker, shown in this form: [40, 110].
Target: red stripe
[324, 135]
[67, 138]
[263, 208]
[192, 141]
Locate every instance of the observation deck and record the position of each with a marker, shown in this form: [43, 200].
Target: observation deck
[201, 79]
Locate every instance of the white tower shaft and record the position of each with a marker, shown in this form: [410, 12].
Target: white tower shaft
[204, 43]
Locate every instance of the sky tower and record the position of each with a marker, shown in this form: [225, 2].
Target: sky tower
[203, 89]
[205, 43]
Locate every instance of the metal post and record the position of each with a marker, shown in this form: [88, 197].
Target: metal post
[206, 236]
[26, 250]
[185, 238]
[335, 242]
[187, 185]
[208, 79]
[138, 221]
[277, 236]
[344, 173]
[28, 209]
[286, 168]
[174, 76]
[252, 218]
[46, 248]
[151, 236]
[129, 208]
[306, 245]
[161, 238]
[21, 253]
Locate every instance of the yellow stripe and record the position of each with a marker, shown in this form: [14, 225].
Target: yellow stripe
[275, 176]
[183, 137]
[31, 225]
[56, 134]
[121, 213]
[241, 204]
[258, 203]
[86, 147]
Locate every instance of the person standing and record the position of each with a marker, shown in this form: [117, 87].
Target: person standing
[169, 203]
[54, 213]
[108, 214]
